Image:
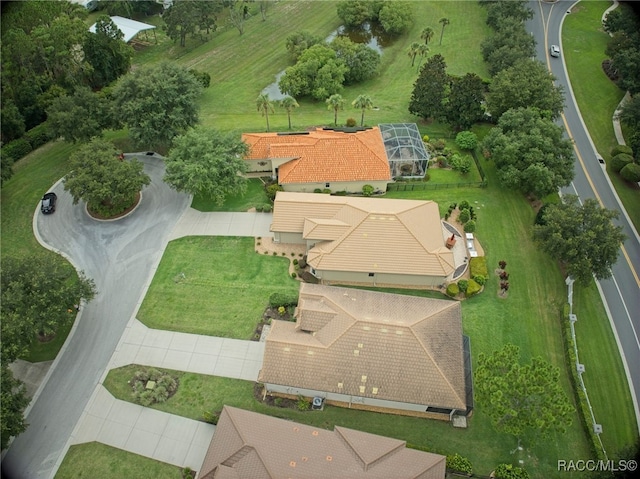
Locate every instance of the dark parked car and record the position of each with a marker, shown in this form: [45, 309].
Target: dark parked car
[48, 203]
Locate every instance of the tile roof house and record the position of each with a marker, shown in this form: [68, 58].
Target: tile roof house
[321, 159]
[251, 445]
[370, 350]
[366, 240]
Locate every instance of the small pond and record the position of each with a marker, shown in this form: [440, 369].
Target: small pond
[372, 35]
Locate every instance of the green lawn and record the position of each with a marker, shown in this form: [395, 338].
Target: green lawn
[99, 461]
[254, 196]
[225, 288]
[239, 70]
[584, 43]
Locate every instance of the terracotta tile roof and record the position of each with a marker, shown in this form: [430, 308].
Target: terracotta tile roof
[383, 235]
[323, 155]
[410, 349]
[248, 445]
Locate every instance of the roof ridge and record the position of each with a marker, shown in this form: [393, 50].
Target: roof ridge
[338, 309]
[426, 350]
[365, 465]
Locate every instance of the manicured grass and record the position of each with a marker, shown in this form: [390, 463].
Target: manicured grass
[99, 461]
[584, 43]
[225, 288]
[444, 175]
[239, 70]
[254, 196]
[604, 377]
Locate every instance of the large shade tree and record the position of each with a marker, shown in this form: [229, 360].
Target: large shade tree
[521, 399]
[80, 116]
[530, 152]
[463, 106]
[157, 103]
[107, 54]
[510, 44]
[429, 89]
[106, 183]
[207, 163]
[13, 401]
[362, 61]
[527, 83]
[582, 237]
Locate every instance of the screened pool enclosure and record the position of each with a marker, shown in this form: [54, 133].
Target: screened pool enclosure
[407, 155]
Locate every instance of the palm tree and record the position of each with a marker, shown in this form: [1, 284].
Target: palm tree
[423, 51]
[413, 51]
[444, 21]
[363, 102]
[335, 102]
[265, 105]
[289, 103]
[427, 35]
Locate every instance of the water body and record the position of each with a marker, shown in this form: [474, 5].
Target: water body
[371, 35]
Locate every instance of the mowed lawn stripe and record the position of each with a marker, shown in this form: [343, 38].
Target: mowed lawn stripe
[216, 286]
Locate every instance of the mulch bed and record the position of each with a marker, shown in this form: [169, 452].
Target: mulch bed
[98, 216]
[258, 391]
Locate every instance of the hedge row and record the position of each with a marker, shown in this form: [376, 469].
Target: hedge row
[16, 149]
[583, 406]
[478, 266]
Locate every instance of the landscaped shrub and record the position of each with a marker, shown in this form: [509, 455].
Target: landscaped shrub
[452, 206]
[165, 386]
[341, 193]
[616, 150]
[453, 290]
[463, 284]
[303, 263]
[480, 279]
[502, 263]
[631, 172]
[458, 463]
[620, 161]
[438, 145]
[470, 226]
[272, 190]
[307, 277]
[464, 216]
[327, 191]
[351, 122]
[283, 299]
[293, 275]
[267, 208]
[467, 140]
[16, 149]
[425, 138]
[303, 404]
[540, 215]
[259, 208]
[367, 190]
[295, 262]
[478, 266]
[210, 417]
[472, 288]
[509, 471]
[463, 205]
[317, 190]
[38, 135]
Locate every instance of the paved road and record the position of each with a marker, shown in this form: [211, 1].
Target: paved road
[119, 256]
[621, 293]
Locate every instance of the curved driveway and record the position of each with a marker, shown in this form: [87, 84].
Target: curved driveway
[621, 293]
[119, 256]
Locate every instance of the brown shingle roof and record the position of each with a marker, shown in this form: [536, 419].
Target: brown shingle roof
[323, 155]
[264, 447]
[383, 236]
[409, 348]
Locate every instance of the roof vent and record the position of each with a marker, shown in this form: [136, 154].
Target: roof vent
[314, 433]
[356, 352]
[374, 391]
[364, 379]
[292, 463]
[329, 458]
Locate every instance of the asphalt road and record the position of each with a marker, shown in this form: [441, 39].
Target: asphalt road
[621, 293]
[119, 255]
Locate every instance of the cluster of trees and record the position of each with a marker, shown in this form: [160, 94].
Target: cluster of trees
[456, 101]
[39, 294]
[624, 47]
[47, 51]
[191, 17]
[321, 70]
[394, 16]
[510, 41]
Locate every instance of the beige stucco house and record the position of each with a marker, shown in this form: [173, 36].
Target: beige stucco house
[369, 241]
[370, 350]
[320, 159]
[251, 445]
